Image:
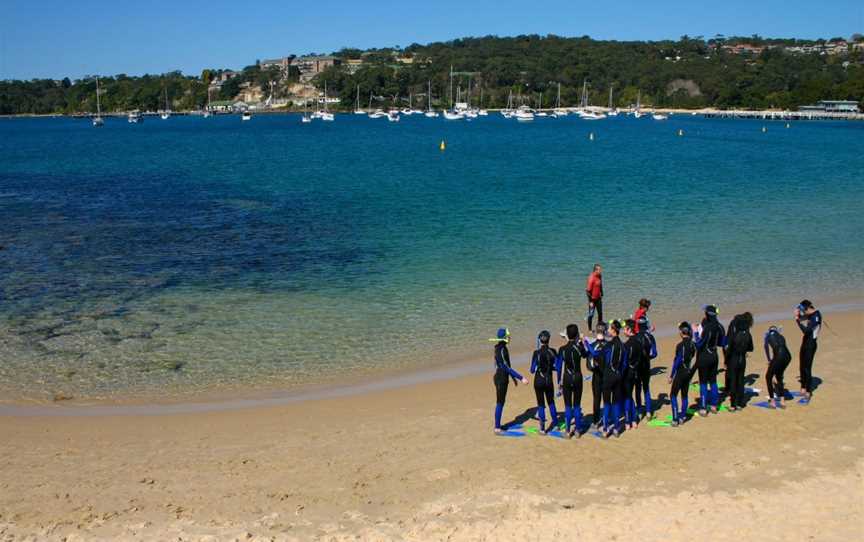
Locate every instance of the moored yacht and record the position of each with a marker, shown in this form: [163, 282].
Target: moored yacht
[524, 114]
[97, 120]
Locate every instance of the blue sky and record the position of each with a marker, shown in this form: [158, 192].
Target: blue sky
[53, 39]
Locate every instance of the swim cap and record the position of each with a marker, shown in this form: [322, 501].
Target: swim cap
[502, 335]
[711, 310]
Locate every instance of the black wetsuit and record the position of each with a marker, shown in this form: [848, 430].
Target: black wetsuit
[707, 362]
[570, 381]
[634, 351]
[778, 359]
[594, 363]
[681, 375]
[643, 380]
[810, 326]
[503, 373]
[542, 366]
[612, 361]
[739, 343]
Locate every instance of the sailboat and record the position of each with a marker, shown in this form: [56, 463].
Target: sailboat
[638, 112]
[378, 113]
[482, 112]
[97, 120]
[429, 113]
[409, 110]
[540, 112]
[206, 113]
[305, 119]
[524, 114]
[166, 112]
[325, 115]
[507, 112]
[613, 112]
[357, 110]
[559, 111]
[584, 112]
[452, 114]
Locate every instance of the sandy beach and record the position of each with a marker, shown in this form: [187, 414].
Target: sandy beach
[420, 462]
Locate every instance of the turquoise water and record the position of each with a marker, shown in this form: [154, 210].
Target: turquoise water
[190, 255]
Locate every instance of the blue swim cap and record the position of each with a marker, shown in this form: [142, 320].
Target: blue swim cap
[503, 333]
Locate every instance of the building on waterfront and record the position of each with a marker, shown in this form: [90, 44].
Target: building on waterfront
[310, 66]
[221, 106]
[831, 106]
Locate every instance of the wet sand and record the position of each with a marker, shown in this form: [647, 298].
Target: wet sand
[420, 462]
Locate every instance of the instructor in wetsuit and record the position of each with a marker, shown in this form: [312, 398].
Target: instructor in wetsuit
[594, 292]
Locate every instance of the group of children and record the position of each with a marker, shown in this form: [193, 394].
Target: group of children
[618, 362]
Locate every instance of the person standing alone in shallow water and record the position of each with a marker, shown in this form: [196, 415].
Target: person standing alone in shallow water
[594, 291]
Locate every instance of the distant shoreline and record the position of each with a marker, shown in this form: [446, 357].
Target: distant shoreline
[765, 114]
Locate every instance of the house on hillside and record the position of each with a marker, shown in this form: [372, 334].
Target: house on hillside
[283, 64]
[310, 66]
[352, 65]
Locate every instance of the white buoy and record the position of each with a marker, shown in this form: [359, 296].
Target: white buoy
[591, 136]
[680, 132]
[764, 129]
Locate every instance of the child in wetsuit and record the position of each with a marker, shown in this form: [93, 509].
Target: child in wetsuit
[503, 373]
[709, 336]
[643, 380]
[778, 356]
[613, 359]
[809, 320]
[595, 366]
[542, 366]
[633, 348]
[739, 343]
[570, 379]
[681, 373]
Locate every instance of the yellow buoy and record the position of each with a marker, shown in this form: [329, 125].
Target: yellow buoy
[443, 145]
